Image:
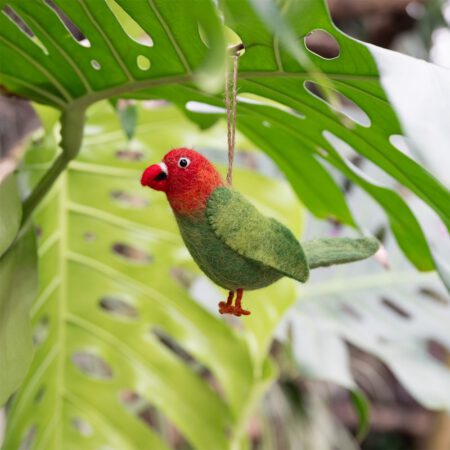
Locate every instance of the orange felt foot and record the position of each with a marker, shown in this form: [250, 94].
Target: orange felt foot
[238, 310]
[241, 312]
[228, 307]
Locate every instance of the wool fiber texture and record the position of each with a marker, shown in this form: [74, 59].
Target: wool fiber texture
[253, 236]
[223, 265]
[329, 251]
[237, 247]
[189, 190]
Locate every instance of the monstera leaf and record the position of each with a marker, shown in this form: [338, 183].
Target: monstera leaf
[113, 321]
[96, 331]
[398, 315]
[49, 64]
[386, 314]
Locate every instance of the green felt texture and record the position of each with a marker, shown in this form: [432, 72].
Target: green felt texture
[330, 251]
[238, 247]
[255, 237]
[223, 265]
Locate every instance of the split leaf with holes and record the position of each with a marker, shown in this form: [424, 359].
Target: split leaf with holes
[309, 113]
[120, 346]
[398, 316]
[369, 92]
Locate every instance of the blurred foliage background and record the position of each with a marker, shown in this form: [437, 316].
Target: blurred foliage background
[363, 357]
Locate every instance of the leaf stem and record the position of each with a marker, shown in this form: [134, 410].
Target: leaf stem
[72, 124]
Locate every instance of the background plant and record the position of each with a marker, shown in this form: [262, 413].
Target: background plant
[282, 109]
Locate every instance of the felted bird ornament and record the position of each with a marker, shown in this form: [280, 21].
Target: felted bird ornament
[236, 246]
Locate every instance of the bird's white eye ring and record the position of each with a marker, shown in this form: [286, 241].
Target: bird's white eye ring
[184, 162]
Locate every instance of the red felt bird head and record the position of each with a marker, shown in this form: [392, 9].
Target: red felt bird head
[187, 178]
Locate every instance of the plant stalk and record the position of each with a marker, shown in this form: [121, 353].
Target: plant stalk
[72, 125]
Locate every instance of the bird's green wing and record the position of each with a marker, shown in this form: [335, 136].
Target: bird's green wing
[246, 231]
[329, 251]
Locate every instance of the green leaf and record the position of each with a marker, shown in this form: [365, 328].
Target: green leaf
[272, 68]
[394, 315]
[48, 116]
[106, 63]
[362, 408]
[98, 244]
[18, 281]
[10, 213]
[128, 118]
[354, 74]
[114, 317]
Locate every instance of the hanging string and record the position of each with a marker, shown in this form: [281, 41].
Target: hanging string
[230, 103]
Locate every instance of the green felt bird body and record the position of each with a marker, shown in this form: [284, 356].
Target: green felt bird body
[236, 246]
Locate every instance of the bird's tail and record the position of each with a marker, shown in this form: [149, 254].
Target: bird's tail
[330, 251]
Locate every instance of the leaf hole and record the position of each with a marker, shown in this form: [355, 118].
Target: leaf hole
[351, 312]
[183, 277]
[355, 161]
[9, 12]
[143, 62]
[85, 43]
[171, 344]
[401, 143]
[180, 352]
[39, 395]
[342, 147]
[92, 365]
[129, 200]
[323, 44]
[20, 23]
[339, 103]
[82, 426]
[41, 331]
[89, 236]
[435, 296]
[322, 152]
[154, 104]
[38, 232]
[258, 100]
[76, 34]
[204, 108]
[28, 438]
[129, 155]
[139, 407]
[131, 254]
[118, 307]
[437, 350]
[95, 64]
[266, 123]
[233, 40]
[129, 25]
[392, 306]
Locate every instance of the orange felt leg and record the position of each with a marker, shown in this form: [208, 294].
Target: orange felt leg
[238, 311]
[227, 308]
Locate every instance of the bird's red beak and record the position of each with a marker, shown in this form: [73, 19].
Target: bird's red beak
[155, 177]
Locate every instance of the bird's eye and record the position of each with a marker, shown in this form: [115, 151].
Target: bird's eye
[183, 162]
